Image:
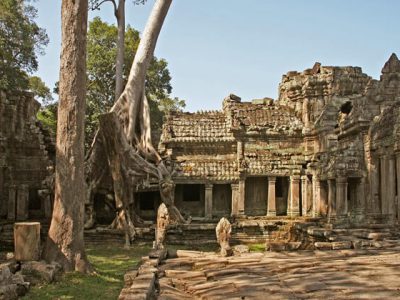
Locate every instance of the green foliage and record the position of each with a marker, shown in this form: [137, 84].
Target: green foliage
[21, 40]
[40, 90]
[47, 115]
[110, 262]
[257, 247]
[101, 55]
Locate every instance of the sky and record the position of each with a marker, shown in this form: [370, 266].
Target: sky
[218, 47]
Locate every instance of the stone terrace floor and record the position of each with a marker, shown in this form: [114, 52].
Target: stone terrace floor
[342, 274]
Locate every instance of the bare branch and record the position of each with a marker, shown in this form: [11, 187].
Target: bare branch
[95, 4]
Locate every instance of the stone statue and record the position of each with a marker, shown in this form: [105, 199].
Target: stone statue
[223, 231]
[162, 224]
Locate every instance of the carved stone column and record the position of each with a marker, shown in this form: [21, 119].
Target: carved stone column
[374, 206]
[241, 197]
[361, 203]
[331, 199]
[3, 200]
[235, 199]
[384, 188]
[398, 183]
[294, 209]
[22, 202]
[271, 204]
[208, 201]
[305, 182]
[316, 196]
[11, 205]
[323, 199]
[391, 187]
[341, 196]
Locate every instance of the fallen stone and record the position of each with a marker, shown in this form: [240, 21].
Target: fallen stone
[37, 272]
[275, 246]
[239, 249]
[129, 277]
[292, 246]
[341, 245]
[12, 286]
[323, 245]
[378, 236]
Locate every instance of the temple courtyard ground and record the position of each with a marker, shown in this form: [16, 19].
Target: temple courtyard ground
[337, 274]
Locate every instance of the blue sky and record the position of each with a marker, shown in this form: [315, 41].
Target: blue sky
[217, 47]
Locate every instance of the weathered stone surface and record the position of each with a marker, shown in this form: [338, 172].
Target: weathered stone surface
[12, 286]
[26, 150]
[239, 249]
[27, 241]
[37, 272]
[223, 232]
[163, 220]
[323, 245]
[276, 246]
[341, 245]
[343, 274]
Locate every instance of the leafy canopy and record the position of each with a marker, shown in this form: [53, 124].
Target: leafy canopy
[101, 54]
[21, 40]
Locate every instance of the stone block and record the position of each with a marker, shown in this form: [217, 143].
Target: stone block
[323, 245]
[239, 249]
[378, 236]
[292, 246]
[38, 272]
[275, 246]
[27, 241]
[341, 245]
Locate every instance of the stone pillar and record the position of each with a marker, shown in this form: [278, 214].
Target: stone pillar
[374, 206]
[341, 196]
[398, 183]
[361, 203]
[316, 196]
[208, 201]
[241, 197]
[235, 199]
[331, 199]
[323, 199]
[47, 205]
[27, 241]
[22, 202]
[294, 208]
[3, 199]
[384, 195]
[304, 195]
[11, 205]
[271, 204]
[391, 187]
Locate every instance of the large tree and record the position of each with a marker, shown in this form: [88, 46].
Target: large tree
[124, 138]
[119, 12]
[102, 50]
[65, 243]
[21, 40]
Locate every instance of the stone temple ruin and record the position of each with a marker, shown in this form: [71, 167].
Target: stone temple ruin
[27, 154]
[326, 149]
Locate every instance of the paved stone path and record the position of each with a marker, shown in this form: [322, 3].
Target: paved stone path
[345, 274]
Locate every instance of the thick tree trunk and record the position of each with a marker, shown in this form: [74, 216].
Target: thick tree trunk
[132, 126]
[114, 144]
[65, 243]
[119, 64]
[132, 96]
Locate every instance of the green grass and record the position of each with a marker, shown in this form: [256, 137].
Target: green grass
[110, 261]
[257, 247]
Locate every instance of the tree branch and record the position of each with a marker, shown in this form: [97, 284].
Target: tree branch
[95, 5]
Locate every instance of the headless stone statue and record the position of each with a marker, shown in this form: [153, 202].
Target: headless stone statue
[223, 231]
[162, 224]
